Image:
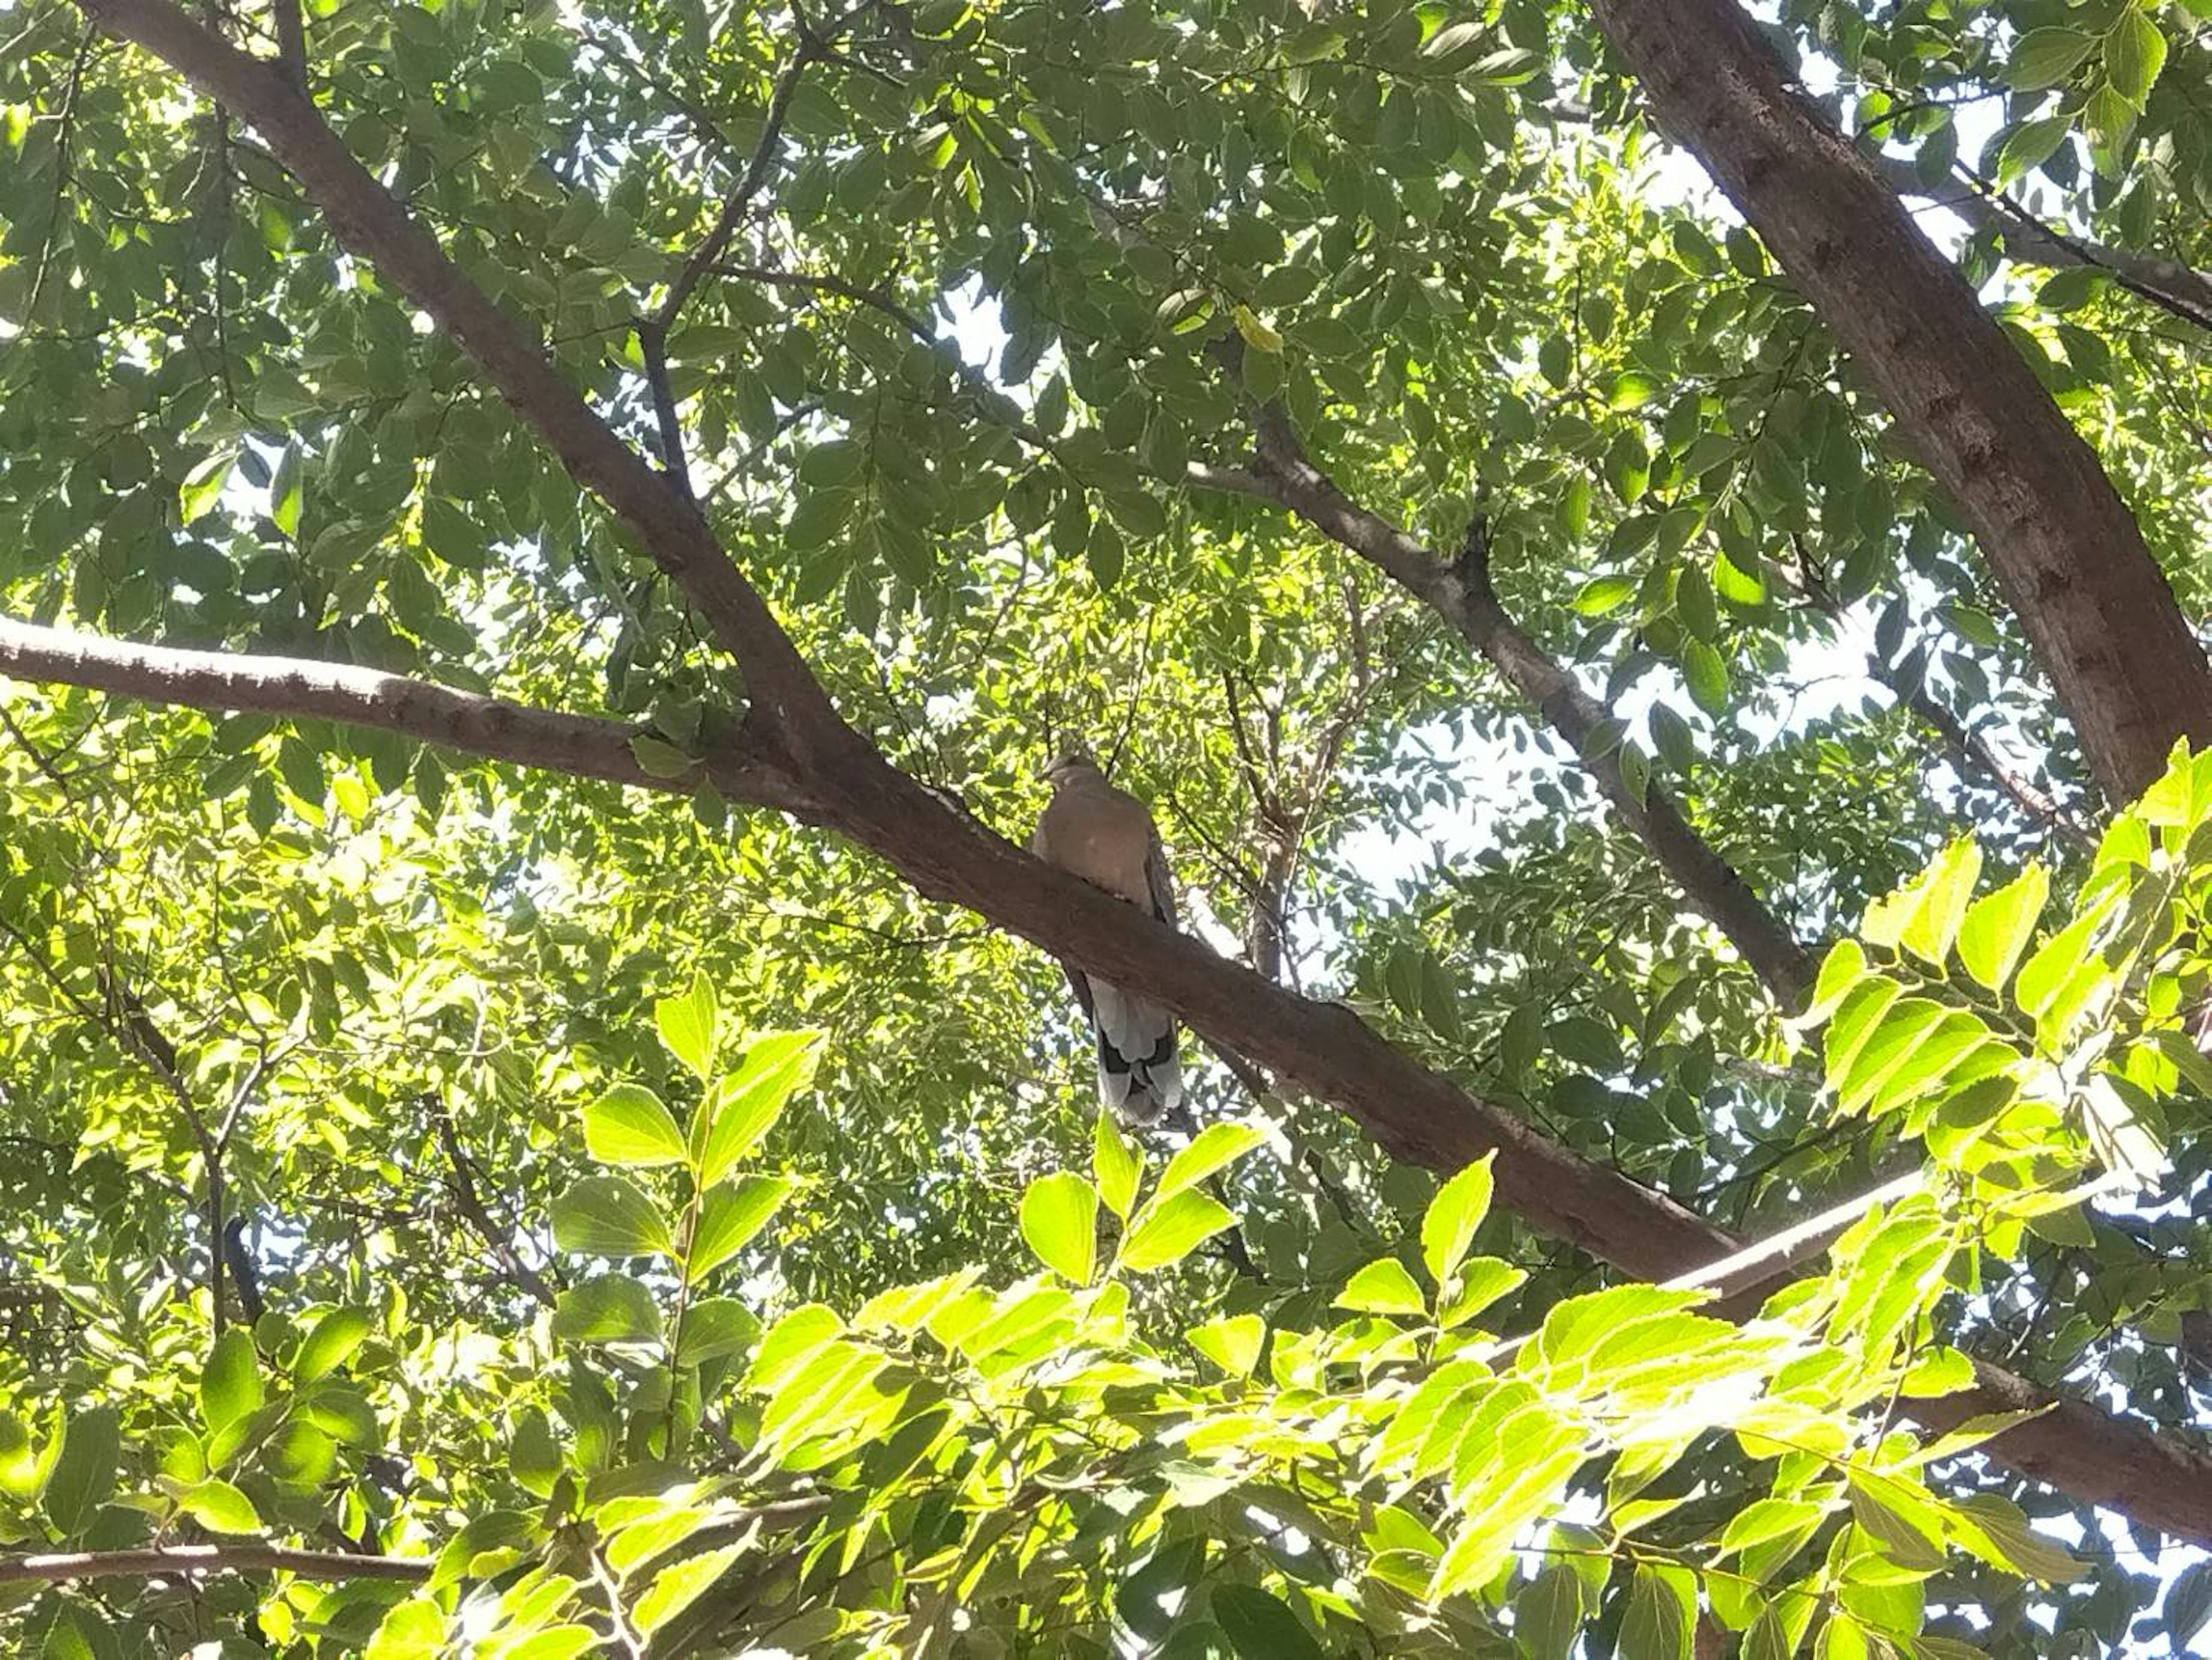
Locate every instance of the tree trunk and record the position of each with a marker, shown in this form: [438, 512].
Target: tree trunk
[2066, 552]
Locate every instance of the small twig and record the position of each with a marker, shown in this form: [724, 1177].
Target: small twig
[465, 1195]
[653, 346]
[62, 176]
[39, 758]
[813, 45]
[243, 1274]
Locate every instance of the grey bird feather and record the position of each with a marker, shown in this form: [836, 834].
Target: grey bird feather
[1107, 836]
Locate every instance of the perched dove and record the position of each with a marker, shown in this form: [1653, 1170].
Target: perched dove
[1107, 837]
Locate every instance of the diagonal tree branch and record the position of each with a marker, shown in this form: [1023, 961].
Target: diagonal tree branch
[1460, 591]
[1323, 1049]
[831, 776]
[2066, 552]
[371, 223]
[2180, 290]
[812, 46]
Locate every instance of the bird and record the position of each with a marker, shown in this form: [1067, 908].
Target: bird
[1107, 836]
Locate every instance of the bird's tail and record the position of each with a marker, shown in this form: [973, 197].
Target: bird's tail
[1140, 1073]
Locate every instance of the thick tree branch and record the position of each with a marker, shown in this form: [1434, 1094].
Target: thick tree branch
[221, 683]
[370, 223]
[1323, 1048]
[2068, 557]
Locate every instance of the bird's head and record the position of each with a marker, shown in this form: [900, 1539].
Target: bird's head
[1069, 765]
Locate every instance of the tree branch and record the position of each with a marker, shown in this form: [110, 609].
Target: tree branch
[812, 46]
[1462, 593]
[179, 1559]
[472, 1202]
[1324, 1048]
[370, 223]
[291, 33]
[2178, 289]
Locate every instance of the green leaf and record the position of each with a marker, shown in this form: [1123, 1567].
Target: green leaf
[330, 1344]
[1481, 1283]
[1908, 1528]
[1632, 390]
[2016, 1545]
[612, 1307]
[230, 1384]
[1448, 1228]
[2030, 145]
[1232, 1343]
[2135, 52]
[1060, 1220]
[2187, 1605]
[1260, 1626]
[2046, 57]
[1214, 1146]
[689, 1025]
[1257, 334]
[2060, 957]
[286, 496]
[743, 1107]
[1116, 1163]
[1707, 676]
[83, 1475]
[1999, 925]
[1601, 594]
[628, 1127]
[220, 1507]
[413, 1630]
[730, 1217]
[675, 1588]
[19, 1474]
[204, 485]
[659, 759]
[1166, 1232]
[1656, 1627]
[608, 1216]
[1949, 887]
[1383, 1286]
[1923, 917]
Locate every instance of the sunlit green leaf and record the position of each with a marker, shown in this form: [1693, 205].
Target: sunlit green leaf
[628, 1126]
[1060, 1220]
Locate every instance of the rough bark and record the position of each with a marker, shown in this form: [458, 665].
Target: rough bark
[830, 774]
[2067, 553]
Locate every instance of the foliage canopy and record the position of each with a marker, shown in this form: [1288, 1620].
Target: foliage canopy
[556, 1175]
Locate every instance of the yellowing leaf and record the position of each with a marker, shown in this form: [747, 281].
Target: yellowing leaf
[1257, 334]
